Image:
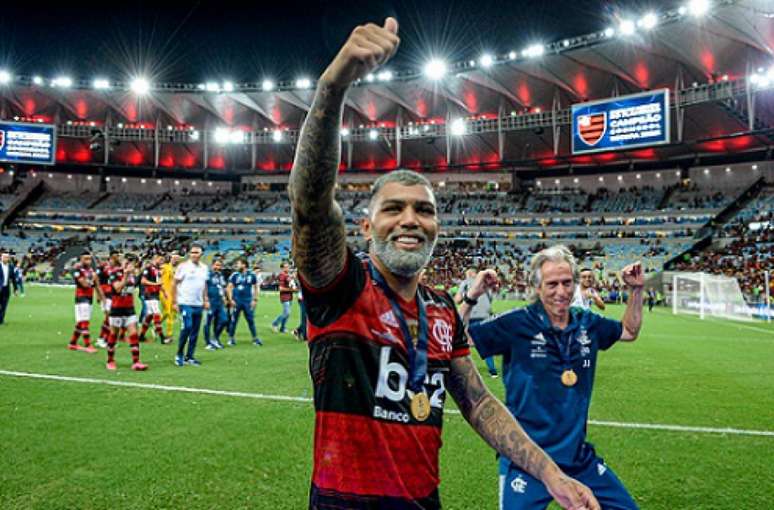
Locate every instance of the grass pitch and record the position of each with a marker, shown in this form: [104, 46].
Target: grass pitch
[70, 445]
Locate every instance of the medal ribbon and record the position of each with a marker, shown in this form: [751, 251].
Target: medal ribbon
[417, 355]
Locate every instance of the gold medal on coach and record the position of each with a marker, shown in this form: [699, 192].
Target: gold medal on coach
[569, 377]
[420, 406]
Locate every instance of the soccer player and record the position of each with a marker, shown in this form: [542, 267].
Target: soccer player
[585, 294]
[124, 281]
[152, 289]
[167, 282]
[550, 353]
[217, 317]
[651, 299]
[18, 274]
[189, 298]
[85, 283]
[243, 288]
[103, 276]
[383, 349]
[480, 312]
[286, 290]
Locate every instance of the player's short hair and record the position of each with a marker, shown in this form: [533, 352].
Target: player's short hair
[195, 245]
[558, 253]
[243, 261]
[85, 253]
[584, 269]
[404, 177]
[115, 252]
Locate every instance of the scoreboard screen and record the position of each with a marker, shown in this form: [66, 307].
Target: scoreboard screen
[27, 143]
[620, 123]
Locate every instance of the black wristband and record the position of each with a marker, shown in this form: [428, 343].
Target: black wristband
[469, 301]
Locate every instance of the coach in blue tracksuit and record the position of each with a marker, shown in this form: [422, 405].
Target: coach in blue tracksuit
[217, 318]
[549, 358]
[242, 291]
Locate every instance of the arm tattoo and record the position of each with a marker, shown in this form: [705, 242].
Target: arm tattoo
[319, 233]
[489, 417]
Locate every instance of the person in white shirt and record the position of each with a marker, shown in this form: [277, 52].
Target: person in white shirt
[189, 299]
[585, 293]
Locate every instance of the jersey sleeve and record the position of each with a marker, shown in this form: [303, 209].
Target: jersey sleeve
[606, 331]
[325, 305]
[492, 336]
[232, 278]
[180, 273]
[77, 274]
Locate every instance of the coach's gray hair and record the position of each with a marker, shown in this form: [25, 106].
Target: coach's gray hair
[404, 177]
[557, 254]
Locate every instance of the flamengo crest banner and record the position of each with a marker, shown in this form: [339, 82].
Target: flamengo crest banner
[625, 122]
[27, 143]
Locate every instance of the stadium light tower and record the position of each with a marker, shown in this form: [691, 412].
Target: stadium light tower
[212, 86]
[373, 134]
[228, 86]
[101, 84]
[303, 83]
[457, 127]
[435, 69]
[698, 8]
[385, 75]
[267, 85]
[140, 86]
[276, 135]
[534, 51]
[648, 21]
[5, 77]
[62, 81]
[486, 60]
[627, 27]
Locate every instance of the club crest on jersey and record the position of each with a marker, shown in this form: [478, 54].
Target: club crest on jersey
[591, 128]
[583, 337]
[388, 319]
[442, 331]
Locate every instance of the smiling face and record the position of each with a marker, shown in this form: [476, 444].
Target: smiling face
[586, 279]
[556, 288]
[403, 227]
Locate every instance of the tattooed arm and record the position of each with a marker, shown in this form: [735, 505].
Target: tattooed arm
[489, 417]
[319, 234]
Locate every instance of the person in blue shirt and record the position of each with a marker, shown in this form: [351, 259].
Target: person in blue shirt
[242, 291]
[217, 318]
[549, 354]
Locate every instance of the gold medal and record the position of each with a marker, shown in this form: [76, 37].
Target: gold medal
[420, 406]
[569, 377]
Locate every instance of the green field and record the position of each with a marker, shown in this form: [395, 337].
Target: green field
[76, 445]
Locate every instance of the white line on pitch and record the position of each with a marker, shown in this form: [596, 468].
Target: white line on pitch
[285, 398]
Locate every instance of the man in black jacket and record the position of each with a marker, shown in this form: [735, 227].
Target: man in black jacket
[7, 279]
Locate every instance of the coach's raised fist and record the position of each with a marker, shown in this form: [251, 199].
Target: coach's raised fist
[368, 47]
[632, 275]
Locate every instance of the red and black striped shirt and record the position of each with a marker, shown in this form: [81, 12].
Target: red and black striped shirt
[103, 276]
[151, 273]
[83, 294]
[122, 302]
[369, 451]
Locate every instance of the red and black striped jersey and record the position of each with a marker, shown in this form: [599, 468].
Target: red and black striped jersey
[153, 274]
[103, 276]
[369, 450]
[83, 294]
[124, 299]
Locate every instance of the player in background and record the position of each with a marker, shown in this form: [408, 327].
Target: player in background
[286, 290]
[167, 282]
[124, 281]
[217, 317]
[86, 282]
[103, 276]
[242, 290]
[585, 292]
[152, 290]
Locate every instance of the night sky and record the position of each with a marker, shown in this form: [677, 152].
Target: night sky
[283, 39]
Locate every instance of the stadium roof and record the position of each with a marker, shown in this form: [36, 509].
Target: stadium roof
[709, 58]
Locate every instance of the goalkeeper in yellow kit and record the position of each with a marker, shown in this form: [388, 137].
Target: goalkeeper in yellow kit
[167, 280]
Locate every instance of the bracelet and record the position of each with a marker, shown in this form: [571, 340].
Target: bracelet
[468, 300]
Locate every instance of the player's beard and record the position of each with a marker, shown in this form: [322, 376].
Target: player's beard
[404, 263]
